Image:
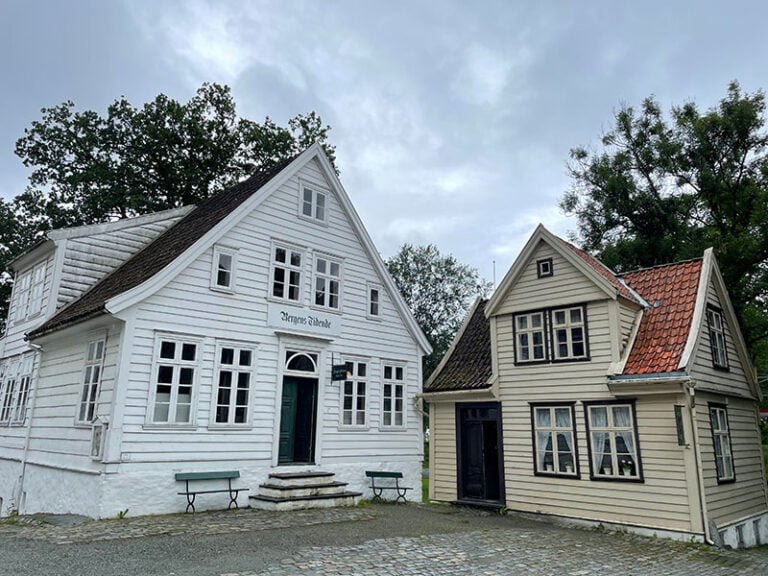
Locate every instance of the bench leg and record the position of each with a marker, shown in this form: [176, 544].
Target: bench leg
[401, 492]
[232, 498]
[377, 493]
[190, 502]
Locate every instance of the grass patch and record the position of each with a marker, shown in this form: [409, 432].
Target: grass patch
[425, 489]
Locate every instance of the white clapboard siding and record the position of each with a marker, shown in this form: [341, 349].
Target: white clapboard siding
[187, 305]
[55, 439]
[88, 258]
[731, 381]
[746, 496]
[567, 285]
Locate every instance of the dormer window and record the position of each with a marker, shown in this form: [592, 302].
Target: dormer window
[717, 338]
[313, 204]
[223, 271]
[28, 293]
[544, 268]
[551, 335]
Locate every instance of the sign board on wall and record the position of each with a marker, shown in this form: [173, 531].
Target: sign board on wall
[297, 319]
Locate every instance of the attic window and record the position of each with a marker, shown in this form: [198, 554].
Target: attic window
[717, 338]
[544, 268]
[313, 204]
[223, 272]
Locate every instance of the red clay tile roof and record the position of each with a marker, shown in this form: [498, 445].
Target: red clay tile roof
[470, 366]
[160, 252]
[671, 291]
[603, 270]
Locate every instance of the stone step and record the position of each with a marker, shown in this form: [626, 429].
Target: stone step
[261, 502]
[283, 491]
[299, 478]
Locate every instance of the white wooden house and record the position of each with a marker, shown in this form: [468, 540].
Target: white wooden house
[202, 339]
[623, 400]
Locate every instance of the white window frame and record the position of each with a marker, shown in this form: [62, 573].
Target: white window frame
[316, 203]
[287, 268]
[717, 345]
[721, 443]
[28, 293]
[569, 328]
[389, 416]
[237, 370]
[555, 461]
[15, 389]
[327, 278]
[351, 389]
[625, 466]
[369, 311]
[177, 364]
[524, 336]
[216, 268]
[90, 380]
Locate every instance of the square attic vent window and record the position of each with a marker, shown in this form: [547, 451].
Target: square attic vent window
[544, 268]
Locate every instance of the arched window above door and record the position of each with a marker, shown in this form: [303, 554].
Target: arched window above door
[300, 362]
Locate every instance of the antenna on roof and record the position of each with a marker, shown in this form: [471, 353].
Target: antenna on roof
[494, 273]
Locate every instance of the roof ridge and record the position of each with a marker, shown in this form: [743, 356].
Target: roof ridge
[657, 266]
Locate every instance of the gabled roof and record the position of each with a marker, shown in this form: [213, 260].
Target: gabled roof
[158, 263]
[602, 277]
[159, 253]
[671, 290]
[468, 363]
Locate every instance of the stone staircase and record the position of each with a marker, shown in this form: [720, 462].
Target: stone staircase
[299, 490]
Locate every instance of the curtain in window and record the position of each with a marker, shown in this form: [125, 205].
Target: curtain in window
[601, 450]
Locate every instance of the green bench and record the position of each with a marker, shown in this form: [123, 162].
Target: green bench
[377, 489]
[227, 475]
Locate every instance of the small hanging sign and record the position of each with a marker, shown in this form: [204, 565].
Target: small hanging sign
[338, 372]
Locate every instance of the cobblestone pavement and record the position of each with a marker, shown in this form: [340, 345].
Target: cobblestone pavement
[382, 540]
[201, 523]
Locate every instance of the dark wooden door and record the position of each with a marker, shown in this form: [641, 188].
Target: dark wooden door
[479, 452]
[297, 420]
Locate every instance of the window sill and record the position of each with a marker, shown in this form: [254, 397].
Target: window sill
[617, 478]
[338, 311]
[229, 427]
[393, 429]
[726, 481]
[152, 426]
[222, 289]
[285, 301]
[317, 221]
[352, 428]
[546, 474]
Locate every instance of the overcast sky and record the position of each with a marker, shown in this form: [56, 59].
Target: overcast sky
[452, 120]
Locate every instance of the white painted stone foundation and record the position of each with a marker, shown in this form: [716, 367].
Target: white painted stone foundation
[143, 489]
[745, 533]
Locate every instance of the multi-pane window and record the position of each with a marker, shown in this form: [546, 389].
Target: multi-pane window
[174, 380]
[568, 333]
[554, 439]
[721, 439]
[717, 337]
[327, 282]
[28, 293]
[286, 273]
[233, 385]
[355, 389]
[313, 204]
[14, 389]
[374, 301]
[613, 441]
[94, 365]
[529, 337]
[223, 272]
[393, 396]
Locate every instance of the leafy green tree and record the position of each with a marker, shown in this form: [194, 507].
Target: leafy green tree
[87, 167]
[664, 188]
[439, 291]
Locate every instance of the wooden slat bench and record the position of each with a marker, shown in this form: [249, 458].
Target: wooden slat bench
[227, 475]
[377, 489]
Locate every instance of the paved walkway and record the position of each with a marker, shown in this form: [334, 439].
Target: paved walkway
[382, 540]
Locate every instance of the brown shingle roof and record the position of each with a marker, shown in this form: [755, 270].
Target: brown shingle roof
[469, 366]
[671, 291]
[161, 252]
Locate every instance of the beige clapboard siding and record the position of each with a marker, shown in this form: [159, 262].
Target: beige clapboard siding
[567, 285]
[731, 381]
[746, 496]
[627, 318]
[189, 306]
[442, 424]
[87, 259]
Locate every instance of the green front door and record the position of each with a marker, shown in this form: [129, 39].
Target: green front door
[297, 420]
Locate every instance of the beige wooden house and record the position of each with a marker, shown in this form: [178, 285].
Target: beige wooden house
[627, 400]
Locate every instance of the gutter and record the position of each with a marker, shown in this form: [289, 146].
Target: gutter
[30, 412]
